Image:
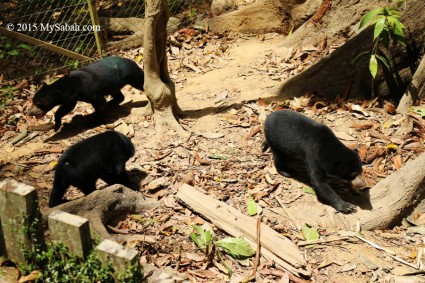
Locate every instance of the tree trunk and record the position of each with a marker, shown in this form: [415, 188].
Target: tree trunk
[103, 205]
[415, 90]
[135, 26]
[385, 205]
[336, 73]
[158, 85]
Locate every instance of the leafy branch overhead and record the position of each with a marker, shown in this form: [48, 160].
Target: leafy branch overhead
[387, 27]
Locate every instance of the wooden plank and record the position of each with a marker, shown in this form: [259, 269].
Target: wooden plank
[45, 45]
[273, 245]
[99, 35]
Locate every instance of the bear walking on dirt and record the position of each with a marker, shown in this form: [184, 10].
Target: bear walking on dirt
[89, 84]
[101, 156]
[306, 148]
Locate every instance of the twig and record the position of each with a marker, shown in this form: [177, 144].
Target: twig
[179, 257]
[257, 254]
[287, 213]
[403, 261]
[19, 137]
[162, 156]
[321, 241]
[376, 246]
[27, 138]
[252, 133]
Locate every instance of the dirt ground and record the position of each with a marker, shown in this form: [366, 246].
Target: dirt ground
[219, 88]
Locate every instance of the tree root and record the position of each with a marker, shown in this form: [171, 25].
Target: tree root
[102, 205]
[386, 204]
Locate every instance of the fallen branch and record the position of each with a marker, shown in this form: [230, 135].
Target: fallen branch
[273, 245]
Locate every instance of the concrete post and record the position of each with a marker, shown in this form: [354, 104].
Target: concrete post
[120, 257]
[71, 230]
[19, 212]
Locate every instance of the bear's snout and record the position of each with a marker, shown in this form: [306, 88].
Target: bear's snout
[35, 111]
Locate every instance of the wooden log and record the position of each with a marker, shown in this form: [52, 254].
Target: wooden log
[19, 213]
[71, 230]
[273, 245]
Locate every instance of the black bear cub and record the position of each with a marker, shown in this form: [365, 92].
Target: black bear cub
[101, 156]
[89, 84]
[301, 145]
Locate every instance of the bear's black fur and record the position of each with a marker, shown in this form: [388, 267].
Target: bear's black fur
[101, 156]
[304, 147]
[89, 84]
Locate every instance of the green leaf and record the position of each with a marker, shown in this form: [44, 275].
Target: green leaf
[379, 27]
[360, 56]
[310, 233]
[290, 31]
[398, 2]
[229, 270]
[251, 206]
[398, 27]
[370, 15]
[236, 247]
[418, 109]
[204, 239]
[373, 65]
[217, 156]
[309, 190]
[24, 46]
[197, 241]
[394, 12]
[13, 52]
[383, 60]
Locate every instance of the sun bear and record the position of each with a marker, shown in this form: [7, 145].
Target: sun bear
[101, 156]
[89, 84]
[309, 151]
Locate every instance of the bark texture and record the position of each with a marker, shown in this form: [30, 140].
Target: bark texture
[387, 204]
[415, 90]
[103, 205]
[337, 72]
[158, 85]
[133, 26]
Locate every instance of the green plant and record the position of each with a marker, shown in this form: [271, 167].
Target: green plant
[7, 93]
[387, 28]
[9, 48]
[237, 248]
[56, 264]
